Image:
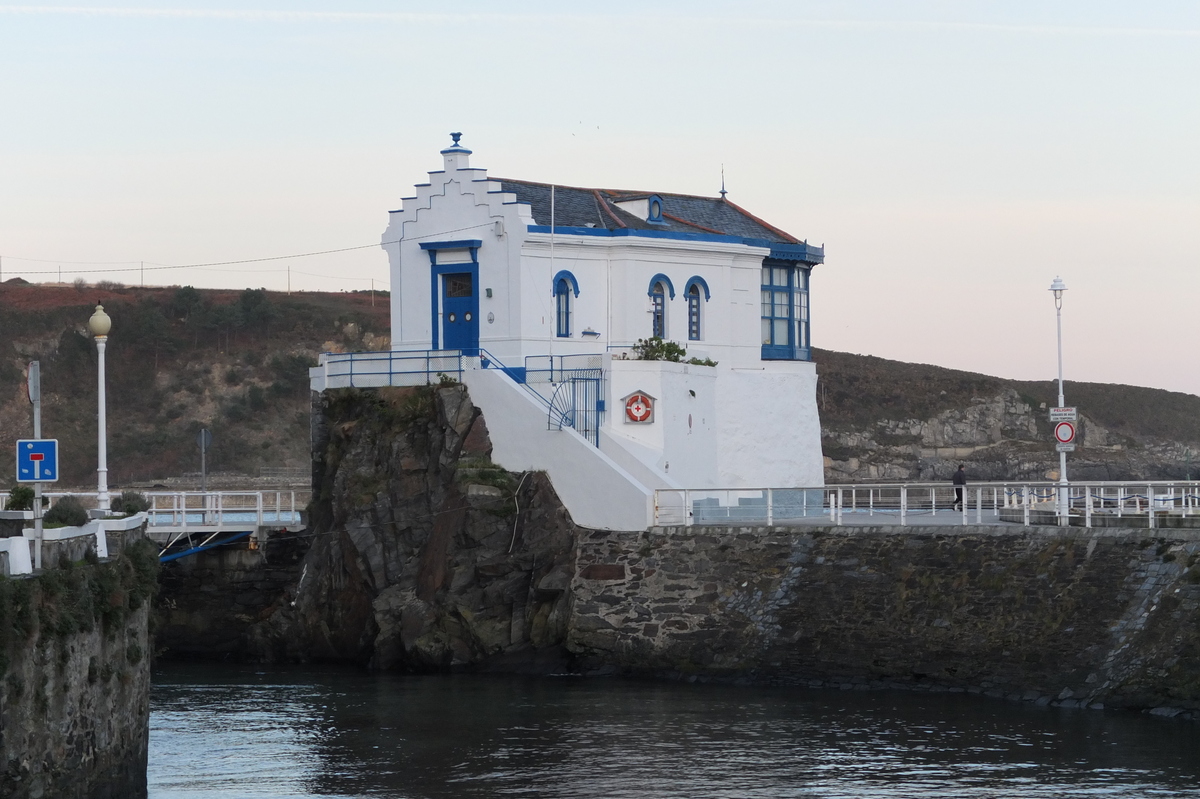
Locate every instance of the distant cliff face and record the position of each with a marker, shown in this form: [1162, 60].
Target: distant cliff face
[890, 421]
[425, 555]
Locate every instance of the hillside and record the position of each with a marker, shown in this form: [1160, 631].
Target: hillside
[890, 420]
[178, 359]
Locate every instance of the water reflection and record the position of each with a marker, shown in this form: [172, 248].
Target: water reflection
[245, 731]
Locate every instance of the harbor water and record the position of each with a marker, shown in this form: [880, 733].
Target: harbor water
[247, 731]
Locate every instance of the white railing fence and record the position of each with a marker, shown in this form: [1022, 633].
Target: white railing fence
[1144, 504]
[212, 508]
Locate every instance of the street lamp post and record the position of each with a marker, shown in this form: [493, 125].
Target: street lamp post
[1058, 287]
[100, 324]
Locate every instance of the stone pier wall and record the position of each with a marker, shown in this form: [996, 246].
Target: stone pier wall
[209, 602]
[75, 668]
[1069, 616]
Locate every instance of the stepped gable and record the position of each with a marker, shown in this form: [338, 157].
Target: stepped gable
[577, 206]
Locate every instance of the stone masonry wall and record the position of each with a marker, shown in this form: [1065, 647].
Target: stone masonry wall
[208, 602]
[75, 668]
[1056, 615]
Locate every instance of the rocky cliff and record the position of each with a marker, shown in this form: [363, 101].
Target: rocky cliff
[891, 421]
[424, 554]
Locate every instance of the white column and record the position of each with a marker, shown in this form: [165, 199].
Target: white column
[102, 498]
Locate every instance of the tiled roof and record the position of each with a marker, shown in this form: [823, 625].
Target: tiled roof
[682, 213]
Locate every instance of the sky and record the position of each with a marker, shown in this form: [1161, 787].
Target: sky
[952, 156]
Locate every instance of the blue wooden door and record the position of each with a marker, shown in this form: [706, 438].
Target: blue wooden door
[460, 313]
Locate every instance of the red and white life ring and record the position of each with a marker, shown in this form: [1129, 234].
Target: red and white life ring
[639, 408]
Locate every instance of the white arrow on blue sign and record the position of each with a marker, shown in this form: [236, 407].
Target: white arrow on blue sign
[37, 460]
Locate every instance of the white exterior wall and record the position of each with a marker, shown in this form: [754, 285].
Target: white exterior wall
[614, 274]
[770, 430]
[459, 203]
[716, 427]
[744, 423]
[598, 493]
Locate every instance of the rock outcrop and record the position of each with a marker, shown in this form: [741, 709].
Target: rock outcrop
[890, 421]
[425, 555]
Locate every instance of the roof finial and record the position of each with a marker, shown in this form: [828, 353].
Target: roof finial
[723, 192]
[456, 137]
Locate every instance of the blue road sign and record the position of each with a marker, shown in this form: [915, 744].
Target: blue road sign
[37, 460]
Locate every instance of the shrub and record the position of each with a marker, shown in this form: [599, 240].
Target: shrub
[67, 512]
[702, 361]
[656, 349]
[256, 398]
[19, 498]
[130, 502]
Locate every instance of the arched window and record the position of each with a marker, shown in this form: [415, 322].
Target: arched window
[658, 310]
[562, 305]
[693, 301]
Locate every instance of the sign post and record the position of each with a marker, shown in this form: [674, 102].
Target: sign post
[1064, 435]
[37, 463]
[1064, 414]
[204, 441]
[34, 384]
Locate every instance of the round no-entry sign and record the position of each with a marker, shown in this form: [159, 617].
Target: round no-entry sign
[1064, 432]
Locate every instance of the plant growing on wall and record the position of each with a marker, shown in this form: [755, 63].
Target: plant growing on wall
[19, 498]
[130, 502]
[656, 349]
[67, 512]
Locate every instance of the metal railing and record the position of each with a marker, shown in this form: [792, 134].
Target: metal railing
[388, 368]
[580, 405]
[570, 387]
[218, 509]
[1142, 504]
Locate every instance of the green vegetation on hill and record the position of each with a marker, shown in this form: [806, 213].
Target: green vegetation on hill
[860, 389]
[178, 359]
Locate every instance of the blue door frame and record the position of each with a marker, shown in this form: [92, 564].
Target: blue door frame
[460, 312]
[454, 311]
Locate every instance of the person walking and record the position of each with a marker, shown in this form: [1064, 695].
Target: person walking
[960, 481]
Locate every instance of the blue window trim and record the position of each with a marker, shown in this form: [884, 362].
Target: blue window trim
[436, 271]
[461, 244]
[666, 281]
[697, 281]
[562, 307]
[658, 314]
[793, 350]
[695, 318]
[563, 274]
[654, 210]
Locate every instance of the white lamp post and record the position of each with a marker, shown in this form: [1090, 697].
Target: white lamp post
[100, 324]
[1058, 287]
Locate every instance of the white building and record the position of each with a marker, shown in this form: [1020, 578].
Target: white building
[555, 284]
